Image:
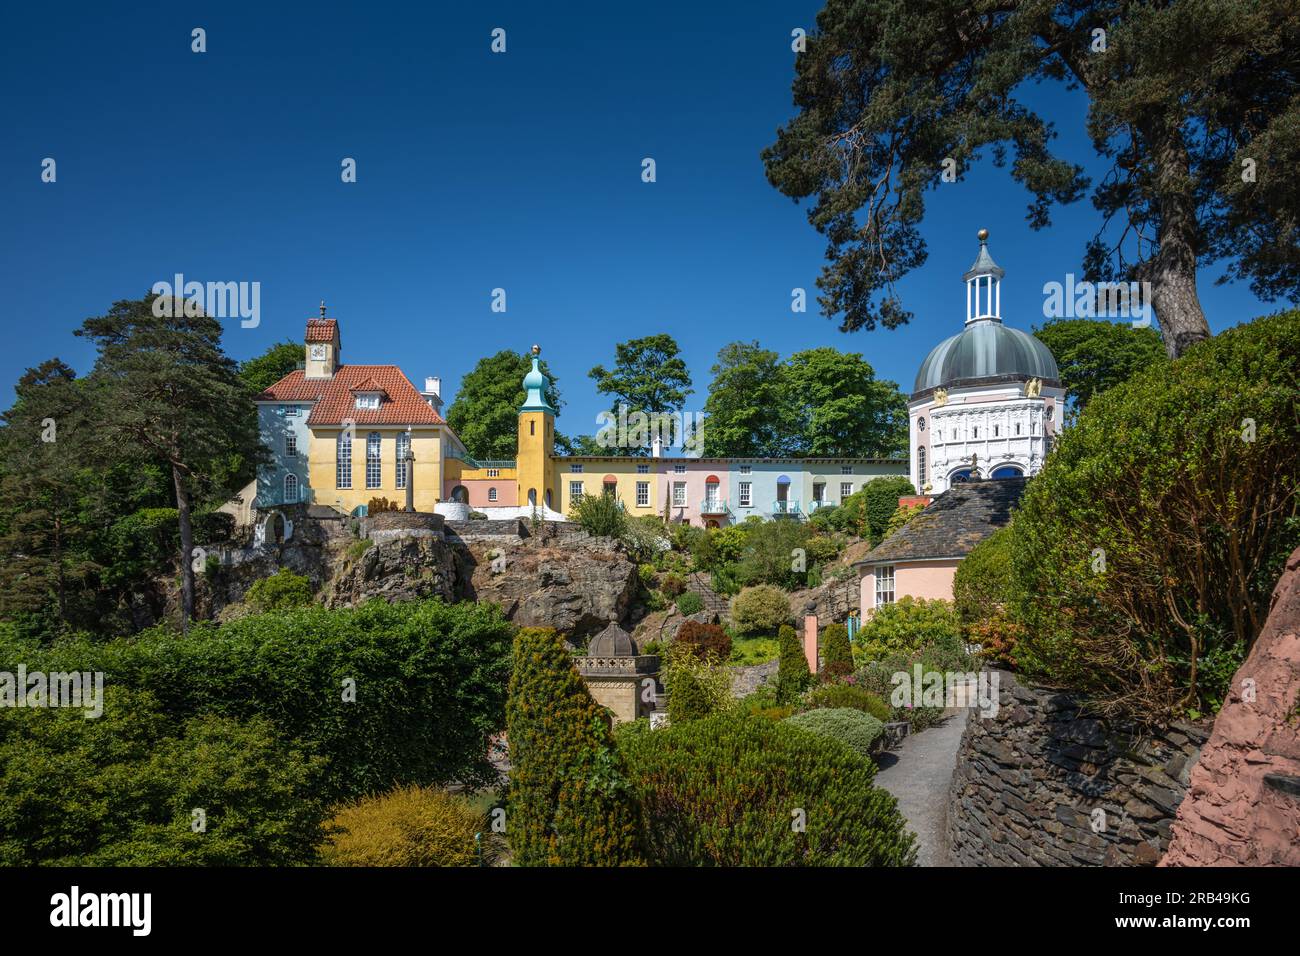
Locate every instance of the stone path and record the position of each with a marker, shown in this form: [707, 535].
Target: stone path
[918, 773]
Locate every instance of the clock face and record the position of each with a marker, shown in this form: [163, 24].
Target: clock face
[318, 351]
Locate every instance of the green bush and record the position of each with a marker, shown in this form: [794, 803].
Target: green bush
[408, 826]
[907, 625]
[760, 610]
[1153, 538]
[280, 591]
[697, 686]
[600, 515]
[823, 548]
[569, 801]
[880, 498]
[837, 652]
[983, 597]
[721, 792]
[428, 680]
[766, 558]
[704, 640]
[841, 695]
[746, 651]
[853, 728]
[689, 603]
[673, 584]
[648, 576]
[122, 790]
[792, 676]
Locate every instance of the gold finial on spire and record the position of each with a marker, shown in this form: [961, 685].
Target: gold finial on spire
[322, 308]
[537, 350]
[983, 235]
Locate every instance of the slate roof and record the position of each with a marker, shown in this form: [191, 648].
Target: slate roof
[953, 523]
[334, 401]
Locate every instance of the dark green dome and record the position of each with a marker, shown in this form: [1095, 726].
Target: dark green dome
[986, 350]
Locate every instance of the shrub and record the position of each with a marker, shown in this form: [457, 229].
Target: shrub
[477, 516]
[569, 802]
[359, 547]
[766, 555]
[673, 584]
[901, 516]
[843, 695]
[408, 826]
[379, 505]
[853, 728]
[760, 609]
[792, 676]
[822, 548]
[281, 590]
[648, 576]
[983, 598]
[1153, 537]
[837, 652]
[689, 603]
[907, 625]
[746, 651]
[428, 680]
[719, 792]
[880, 501]
[644, 537]
[121, 790]
[697, 686]
[600, 515]
[704, 640]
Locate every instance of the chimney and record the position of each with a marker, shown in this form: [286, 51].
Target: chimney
[432, 392]
[656, 447]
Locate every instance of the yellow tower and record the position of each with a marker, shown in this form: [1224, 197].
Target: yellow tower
[536, 442]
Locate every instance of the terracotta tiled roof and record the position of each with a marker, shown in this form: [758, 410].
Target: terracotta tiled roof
[952, 524]
[402, 404]
[321, 330]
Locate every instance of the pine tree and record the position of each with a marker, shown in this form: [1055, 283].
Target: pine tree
[837, 655]
[569, 804]
[792, 676]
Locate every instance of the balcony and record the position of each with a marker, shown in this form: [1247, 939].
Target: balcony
[714, 507]
[817, 504]
[785, 508]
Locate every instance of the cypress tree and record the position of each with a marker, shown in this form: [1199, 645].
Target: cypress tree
[837, 655]
[792, 676]
[569, 803]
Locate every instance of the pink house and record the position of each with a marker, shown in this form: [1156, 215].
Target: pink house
[920, 560]
[694, 490]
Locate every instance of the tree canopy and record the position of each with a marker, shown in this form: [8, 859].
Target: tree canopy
[1095, 355]
[1192, 104]
[272, 365]
[485, 413]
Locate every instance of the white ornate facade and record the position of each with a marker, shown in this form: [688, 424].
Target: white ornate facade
[987, 401]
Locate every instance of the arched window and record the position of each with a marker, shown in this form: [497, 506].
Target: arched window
[1007, 471]
[374, 465]
[343, 460]
[492, 494]
[403, 446]
[959, 476]
[290, 489]
[920, 465]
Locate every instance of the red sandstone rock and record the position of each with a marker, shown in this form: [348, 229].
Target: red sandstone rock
[1232, 815]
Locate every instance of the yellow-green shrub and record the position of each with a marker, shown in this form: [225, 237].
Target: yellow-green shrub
[409, 826]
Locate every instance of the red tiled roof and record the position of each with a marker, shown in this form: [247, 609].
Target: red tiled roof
[402, 404]
[321, 330]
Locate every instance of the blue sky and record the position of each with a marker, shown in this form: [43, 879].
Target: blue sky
[475, 171]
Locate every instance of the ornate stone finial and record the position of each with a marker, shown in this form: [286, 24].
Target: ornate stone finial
[536, 350]
[983, 235]
[322, 308]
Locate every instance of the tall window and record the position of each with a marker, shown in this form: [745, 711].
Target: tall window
[374, 465]
[846, 489]
[291, 445]
[575, 491]
[885, 585]
[403, 446]
[746, 494]
[343, 460]
[492, 494]
[290, 489]
[679, 494]
[920, 466]
[643, 494]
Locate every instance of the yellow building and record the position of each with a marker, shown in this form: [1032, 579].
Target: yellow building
[633, 481]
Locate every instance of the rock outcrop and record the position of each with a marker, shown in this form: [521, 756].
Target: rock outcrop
[1244, 805]
[401, 569]
[576, 584]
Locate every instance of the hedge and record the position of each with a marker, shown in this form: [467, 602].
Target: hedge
[853, 728]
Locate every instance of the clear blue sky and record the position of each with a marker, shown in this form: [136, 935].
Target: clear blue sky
[475, 171]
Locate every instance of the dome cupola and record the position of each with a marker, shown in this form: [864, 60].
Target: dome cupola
[535, 385]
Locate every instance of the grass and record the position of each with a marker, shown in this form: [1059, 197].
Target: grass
[746, 651]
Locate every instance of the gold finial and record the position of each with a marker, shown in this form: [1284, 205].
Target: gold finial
[983, 235]
[537, 350]
[322, 308]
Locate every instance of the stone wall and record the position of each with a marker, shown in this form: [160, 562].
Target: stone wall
[1044, 784]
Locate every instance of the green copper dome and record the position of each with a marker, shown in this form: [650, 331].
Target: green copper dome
[535, 385]
[986, 349]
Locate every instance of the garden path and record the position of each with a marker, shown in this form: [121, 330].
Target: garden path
[918, 773]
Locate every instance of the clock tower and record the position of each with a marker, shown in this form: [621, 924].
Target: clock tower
[323, 346]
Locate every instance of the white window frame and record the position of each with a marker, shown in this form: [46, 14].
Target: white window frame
[643, 494]
[679, 494]
[920, 465]
[575, 469]
[367, 400]
[885, 585]
[402, 444]
[291, 480]
[746, 494]
[374, 460]
[846, 489]
[492, 494]
[575, 491]
[343, 461]
[291, 445]
[643, 469]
